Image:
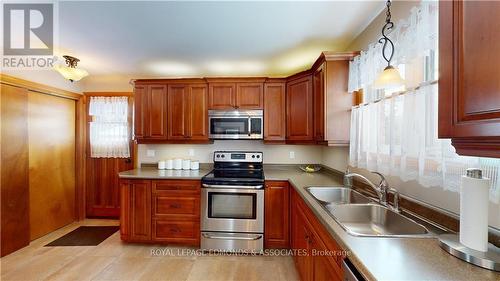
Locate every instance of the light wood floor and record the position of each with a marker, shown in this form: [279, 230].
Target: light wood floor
[114, 260]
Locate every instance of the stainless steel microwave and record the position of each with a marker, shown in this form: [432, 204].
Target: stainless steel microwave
[236, 124]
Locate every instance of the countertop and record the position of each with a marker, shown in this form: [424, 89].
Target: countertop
[375, 258]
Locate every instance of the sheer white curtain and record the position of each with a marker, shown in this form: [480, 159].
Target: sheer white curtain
[109, 132]
[395, 131]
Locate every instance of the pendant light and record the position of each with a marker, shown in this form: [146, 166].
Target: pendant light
[70, 71]
[390, 77]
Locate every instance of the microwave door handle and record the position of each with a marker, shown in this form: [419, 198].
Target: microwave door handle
[249, 126]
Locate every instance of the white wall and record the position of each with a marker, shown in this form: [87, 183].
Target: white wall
[273, 154]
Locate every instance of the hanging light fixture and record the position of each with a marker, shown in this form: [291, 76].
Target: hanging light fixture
[390, 77]
[69, 71]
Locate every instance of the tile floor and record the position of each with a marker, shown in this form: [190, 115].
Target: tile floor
[114, 260]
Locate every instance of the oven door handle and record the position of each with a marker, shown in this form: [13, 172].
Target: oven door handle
[219, 186]
[256, 237]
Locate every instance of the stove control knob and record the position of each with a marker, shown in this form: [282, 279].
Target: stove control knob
[258, 156]
[223, 155]
[218, 156]
[253, 156]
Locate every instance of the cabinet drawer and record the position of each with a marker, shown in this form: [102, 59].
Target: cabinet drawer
[176, 206]
[178, 232]
[176, 187]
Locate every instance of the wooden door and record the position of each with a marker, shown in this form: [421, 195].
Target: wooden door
[178, 111]
[249, 95]
[157, 95]
[141, 109]
[299, 100]
[102, 182]
[199, 112]
[319, 103]
[51, 162]
[15, 223]
[469, 84]
[221, 95]
[135, 218]
[277, 215]
[274, 112]
[323, 268]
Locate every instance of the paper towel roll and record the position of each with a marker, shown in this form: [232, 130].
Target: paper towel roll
[474, 197]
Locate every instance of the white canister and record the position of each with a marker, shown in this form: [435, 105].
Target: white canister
[195, 165]
[178, 164]
[186, 164]
[161, 165]
[169, 164]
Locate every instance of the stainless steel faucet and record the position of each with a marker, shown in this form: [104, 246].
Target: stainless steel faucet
[381, 189]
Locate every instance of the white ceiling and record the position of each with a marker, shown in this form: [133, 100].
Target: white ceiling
[185, 39]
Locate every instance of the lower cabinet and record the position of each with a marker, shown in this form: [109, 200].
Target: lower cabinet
[166, 211]
[277, 215]
[316, 253]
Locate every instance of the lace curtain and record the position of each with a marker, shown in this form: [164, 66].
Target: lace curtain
[395, 131]
[109, 132]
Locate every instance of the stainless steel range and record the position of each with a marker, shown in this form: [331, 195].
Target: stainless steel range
[232, 203]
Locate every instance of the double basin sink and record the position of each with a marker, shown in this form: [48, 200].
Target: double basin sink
[360, 216]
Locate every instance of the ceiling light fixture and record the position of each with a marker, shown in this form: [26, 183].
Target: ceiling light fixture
[390, 77]
[70, 71]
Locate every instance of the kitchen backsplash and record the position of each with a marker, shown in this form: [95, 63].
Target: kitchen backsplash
[273, 154]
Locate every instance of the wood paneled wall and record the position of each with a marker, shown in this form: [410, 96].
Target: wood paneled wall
[14, 169]
[51, 162]
[38, 138]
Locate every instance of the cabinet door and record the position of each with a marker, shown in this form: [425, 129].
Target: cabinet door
[319, 103]
[178, 110]
[274, 112]
[469, 88]
[323, 268]
[299, 100]
[157, 95]
[135, 217]
[221, 96]
[300, 244]
[199, 113]
[141, 109]
[277, 215]
[249, 95]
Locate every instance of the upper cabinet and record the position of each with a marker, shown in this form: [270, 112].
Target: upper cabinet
[299, 109]
[150, 112]
[275, 111]
[332, 102]
[230, 94]
[469, 84]
[171, 111]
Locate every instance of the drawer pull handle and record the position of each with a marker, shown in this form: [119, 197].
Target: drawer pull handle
[175, 230]
[175, 206]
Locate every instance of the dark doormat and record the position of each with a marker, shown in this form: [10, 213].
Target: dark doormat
[85, 236]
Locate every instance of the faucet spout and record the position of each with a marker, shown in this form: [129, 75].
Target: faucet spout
[381, 189]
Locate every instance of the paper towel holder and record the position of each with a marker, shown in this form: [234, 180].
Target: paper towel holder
[489, 259]
[474, 173]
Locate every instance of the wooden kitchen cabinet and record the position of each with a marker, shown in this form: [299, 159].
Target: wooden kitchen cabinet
[150, 112]
[171, 111]
[231, 93]
[250, 95]
[135, 210]
[274, 111]
[299, 110]
[317, 255]
[160, 211]
[332, 102]
[469, 88]
[277, 214]
[187, 112]
[221, 95]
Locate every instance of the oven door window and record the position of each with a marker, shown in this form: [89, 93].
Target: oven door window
[230, 205]
[229, 126]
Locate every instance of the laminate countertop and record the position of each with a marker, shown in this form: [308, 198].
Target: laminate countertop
[375, 258]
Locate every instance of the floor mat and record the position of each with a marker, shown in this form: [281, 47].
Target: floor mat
[85, 236]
